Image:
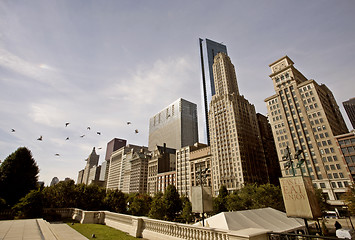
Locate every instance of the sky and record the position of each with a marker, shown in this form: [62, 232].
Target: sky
[99, 64]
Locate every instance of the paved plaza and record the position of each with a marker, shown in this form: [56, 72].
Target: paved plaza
[37, 229]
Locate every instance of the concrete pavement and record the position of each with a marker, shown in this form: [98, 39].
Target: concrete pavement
[37, 229]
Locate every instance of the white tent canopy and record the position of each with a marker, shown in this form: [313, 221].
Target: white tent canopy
[263, 218]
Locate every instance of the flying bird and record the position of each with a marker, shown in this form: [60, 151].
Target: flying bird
[57, 154]
[136, 131]
[12, 130]
[88, 128]
[67, 139]
[99, 148]
[40, 138]
[128, 123]
[98, 133]
[82, 136]
[66, 124]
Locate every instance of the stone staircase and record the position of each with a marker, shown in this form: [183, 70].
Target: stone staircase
[37, 229]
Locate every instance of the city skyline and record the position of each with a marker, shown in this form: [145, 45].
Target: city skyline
[102, 65]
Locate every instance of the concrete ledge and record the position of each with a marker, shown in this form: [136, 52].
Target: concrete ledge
[45, 230]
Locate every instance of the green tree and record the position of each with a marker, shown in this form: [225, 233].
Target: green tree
[89, 197]
[139, 204]
[158, 207]
[349, 198]
[172, 202]
[18, 175]
[30, 206]
[186, 210]
[220, 202]
[62, 195]
[3, 204]
[323, 205]
[253, 196]
[115, 201]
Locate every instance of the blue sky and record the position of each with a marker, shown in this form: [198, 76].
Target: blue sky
[103, 63]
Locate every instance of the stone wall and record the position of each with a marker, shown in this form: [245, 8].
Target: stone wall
[147, 228]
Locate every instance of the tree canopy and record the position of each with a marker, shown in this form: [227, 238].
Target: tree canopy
[18, 175]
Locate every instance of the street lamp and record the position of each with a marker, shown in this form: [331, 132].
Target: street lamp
[202, 177]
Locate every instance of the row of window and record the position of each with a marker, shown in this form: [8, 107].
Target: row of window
[348, 150]
[335, 184]
[347, 141]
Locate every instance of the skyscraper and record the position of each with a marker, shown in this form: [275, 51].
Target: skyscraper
[305, 116]
[208, 50]
[112, 146]
[120, 168]
[267, 139]
[175, 126]
[237, 155]
[91, 172]
[350, 110]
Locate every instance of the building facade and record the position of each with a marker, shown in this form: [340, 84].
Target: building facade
[120, 168]
[183, 168]
[346, 143]
[138, 182]
[175, 126]
[208, 50]
[349, 107]
[269, 148]
[237, 155]
[200, 159]
[112, 146]
[163, 160]
[305, 116]
[165, 179]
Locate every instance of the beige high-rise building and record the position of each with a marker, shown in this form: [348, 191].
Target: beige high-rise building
[138, 176]
[305, 116]
[237, 155]
[119, 170]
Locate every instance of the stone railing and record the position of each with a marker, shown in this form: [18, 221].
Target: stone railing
[148, 228]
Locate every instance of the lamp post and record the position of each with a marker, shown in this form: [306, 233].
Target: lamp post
[202, 176]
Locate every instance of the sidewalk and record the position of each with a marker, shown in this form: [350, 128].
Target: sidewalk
[37, 229]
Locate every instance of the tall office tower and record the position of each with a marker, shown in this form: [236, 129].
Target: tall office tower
[112, 146]
[350, 110]
[90, 172]
[269, 148]
[346, 143]
[208, 50]
[305, 116]
[163, 160]
[183, 168]
[118, 164]
[237, 154]
[175, 126]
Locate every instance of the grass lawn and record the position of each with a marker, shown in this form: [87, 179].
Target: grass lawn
[102, 232]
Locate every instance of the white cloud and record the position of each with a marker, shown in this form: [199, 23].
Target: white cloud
[161, 81]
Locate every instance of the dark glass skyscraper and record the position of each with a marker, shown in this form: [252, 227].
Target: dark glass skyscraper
[208, 49]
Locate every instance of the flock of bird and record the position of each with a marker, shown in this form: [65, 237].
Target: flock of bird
[40, 138]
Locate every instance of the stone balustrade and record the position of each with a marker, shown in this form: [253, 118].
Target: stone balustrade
[148, 228]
